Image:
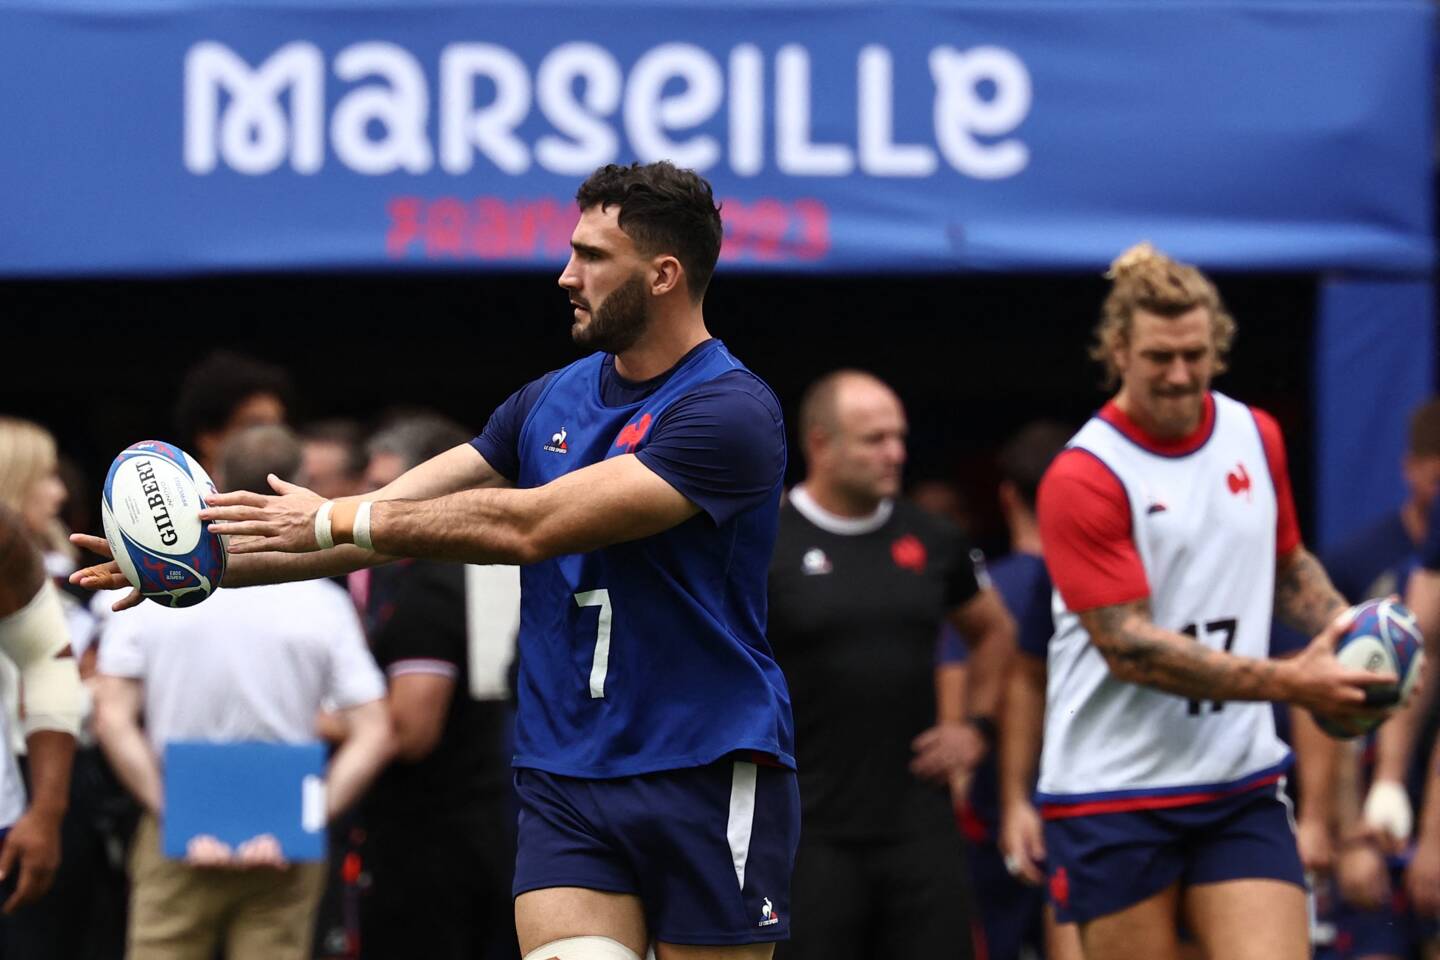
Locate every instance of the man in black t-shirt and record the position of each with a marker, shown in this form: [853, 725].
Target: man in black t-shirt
[439, 849]
[859, 585]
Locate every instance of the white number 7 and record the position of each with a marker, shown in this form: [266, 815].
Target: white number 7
[601, 664]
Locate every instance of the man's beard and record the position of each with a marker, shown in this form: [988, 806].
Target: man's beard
[619, 322]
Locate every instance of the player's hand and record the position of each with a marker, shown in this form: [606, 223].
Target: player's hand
[34, 844]
[1317, 849]
[283, 523]
[1319, 682]
[1422, 877]
[1022, 842]
[103, 576]
[1362, 876]
[1388, 812]
[945, 749]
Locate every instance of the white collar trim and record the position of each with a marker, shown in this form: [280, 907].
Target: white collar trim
[833, 523]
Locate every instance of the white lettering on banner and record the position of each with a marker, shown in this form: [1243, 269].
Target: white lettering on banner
[492, 128]
[253, 136]
[880, 155]
[648, 113]
[795, 154]
[961, 113]
[669, 105]
[592, 142]
[401, 110]
[747, 110]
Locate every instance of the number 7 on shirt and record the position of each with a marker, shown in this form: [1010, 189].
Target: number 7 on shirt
[601, 664]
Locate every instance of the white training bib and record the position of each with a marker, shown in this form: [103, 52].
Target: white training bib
[1204, 525]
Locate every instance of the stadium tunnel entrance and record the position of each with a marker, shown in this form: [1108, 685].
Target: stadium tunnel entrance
[973, 356]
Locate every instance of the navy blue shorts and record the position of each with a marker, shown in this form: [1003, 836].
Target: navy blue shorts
[1102, 863]
[708, 850]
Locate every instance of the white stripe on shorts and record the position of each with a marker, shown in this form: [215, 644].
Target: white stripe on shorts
[742, 817]
[1284, 798]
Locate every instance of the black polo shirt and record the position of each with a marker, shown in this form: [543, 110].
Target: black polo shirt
[854, 619]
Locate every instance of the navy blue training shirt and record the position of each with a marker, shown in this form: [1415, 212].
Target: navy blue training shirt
[651, 654]
[703, 445]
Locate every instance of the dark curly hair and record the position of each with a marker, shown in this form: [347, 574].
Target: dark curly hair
[215, 387]
[664, 209]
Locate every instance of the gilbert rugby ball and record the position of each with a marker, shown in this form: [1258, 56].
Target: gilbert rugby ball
[151, 510]
[1383, 638]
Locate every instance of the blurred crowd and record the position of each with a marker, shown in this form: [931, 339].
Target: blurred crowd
[378, 666]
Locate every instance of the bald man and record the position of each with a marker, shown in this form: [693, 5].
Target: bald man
[34, 635]
[859, 586]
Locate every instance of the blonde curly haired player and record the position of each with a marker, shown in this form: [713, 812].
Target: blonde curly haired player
[1169, 531]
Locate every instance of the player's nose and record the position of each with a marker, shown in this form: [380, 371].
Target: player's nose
[569, 280]
[1178, 372]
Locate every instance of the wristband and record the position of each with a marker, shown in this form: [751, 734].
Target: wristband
[985, 726]
[361, 534]
[322, 525]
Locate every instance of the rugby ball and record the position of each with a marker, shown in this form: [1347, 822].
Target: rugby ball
[151, 511]
[1383, 638]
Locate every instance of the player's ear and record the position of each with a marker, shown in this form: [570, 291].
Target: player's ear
[817, 444]
[668, 274]
[1120, 354]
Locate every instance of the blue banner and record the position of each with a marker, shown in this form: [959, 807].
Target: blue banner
[1374, 363]
[141, 136]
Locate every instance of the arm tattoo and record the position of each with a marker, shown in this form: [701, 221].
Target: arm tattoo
[1139, 651]
[1304, 596]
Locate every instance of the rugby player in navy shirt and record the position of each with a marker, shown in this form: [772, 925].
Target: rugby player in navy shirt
[639, 489]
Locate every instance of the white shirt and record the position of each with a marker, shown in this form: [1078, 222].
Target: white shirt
[246, 664]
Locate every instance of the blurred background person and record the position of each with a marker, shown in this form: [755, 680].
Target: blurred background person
[859, 585]
[1008, 871]
[943, 498]
[1377, 562]
[1397, 900]
[225, 392]
[30, 484]
[251, 664]
[439, 845]
[334, 458]
[83, 916]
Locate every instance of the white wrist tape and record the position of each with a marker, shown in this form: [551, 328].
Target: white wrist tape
[322, 525]
[361, 533]
[1387, 807]
[583, 948]
[32, 637]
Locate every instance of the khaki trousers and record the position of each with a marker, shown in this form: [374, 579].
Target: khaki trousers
[179, 912]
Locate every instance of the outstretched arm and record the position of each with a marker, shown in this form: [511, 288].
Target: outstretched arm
[613, 501]
[460, 468]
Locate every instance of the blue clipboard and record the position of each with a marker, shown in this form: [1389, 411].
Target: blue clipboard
[236, 791]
